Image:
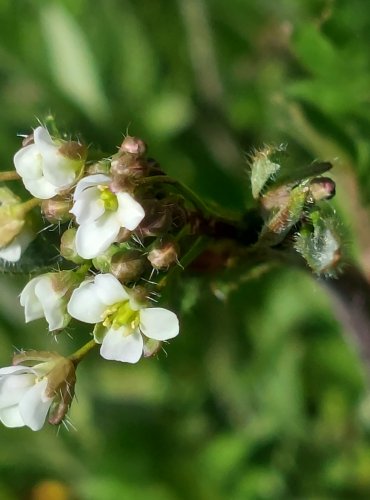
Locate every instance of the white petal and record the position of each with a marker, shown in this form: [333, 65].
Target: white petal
[94, 238]
[34, 406]
[42, 138]
[52, 302]
[14, 387]
[118, 347]
[14, 251]
[32, 306]
[158, 323]
[11, 417]
[109, 289]
[58, 170]
[40, 188]
[7, 370]
[130, 212]
[85, 305]
[91, 180]
[28, 162]
[88, 206]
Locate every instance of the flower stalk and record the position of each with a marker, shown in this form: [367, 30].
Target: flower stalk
[79, 355]
[10, 175]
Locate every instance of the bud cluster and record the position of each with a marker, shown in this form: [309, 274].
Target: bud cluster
[293, 206]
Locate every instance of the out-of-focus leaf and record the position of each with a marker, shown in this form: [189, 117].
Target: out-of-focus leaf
[72, 62]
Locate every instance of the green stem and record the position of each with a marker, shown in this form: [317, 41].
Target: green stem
[10, 175]
[30, 204]
[77, 356]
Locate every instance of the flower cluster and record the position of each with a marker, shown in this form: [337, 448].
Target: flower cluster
[118, 226]
[108, 235]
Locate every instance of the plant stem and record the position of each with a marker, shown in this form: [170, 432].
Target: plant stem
[10, 175]
[30, 204]
[77, 356]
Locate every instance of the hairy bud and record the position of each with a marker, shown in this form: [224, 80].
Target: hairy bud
[133, 146]
[322, 188]
[128, 265]
[57, 209]
[157, 220]
[163, 254]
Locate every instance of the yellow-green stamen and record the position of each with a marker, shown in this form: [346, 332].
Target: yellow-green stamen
[108, 198]
[119, 315]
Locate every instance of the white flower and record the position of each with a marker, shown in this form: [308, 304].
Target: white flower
[29, 393]
[14, 250]
[44, 169]
[46, 296]
[101, 214]
[23, 399]
[122, 327]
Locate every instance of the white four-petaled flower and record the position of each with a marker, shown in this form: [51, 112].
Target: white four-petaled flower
[23, 399]
[123, 325]
[44, 169]
[101, 214]
[45, 297]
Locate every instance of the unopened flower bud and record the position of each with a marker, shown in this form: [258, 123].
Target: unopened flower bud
[99, 167]
[57, 209]
[178, 211]
[157, 220]
[68, 246]
[128, 265]
[128, 166]
[164, 254]
[103, 261]
[123, 235]
[73, 150]
[133, 145]
[322, 188]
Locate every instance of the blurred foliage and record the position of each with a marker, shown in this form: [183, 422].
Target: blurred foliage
[260, 397]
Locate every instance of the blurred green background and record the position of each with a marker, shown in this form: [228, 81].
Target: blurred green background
[260, 397]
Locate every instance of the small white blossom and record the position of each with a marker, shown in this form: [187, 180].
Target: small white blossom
[14, 250]
[122, 327]
[46, 296]
[101, 214]
[23, 399]
[44, 169]
[29, 393]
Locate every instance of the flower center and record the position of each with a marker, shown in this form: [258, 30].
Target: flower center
[121, 314]
[108, 198]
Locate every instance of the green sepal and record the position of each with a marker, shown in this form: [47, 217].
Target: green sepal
[319, 241]
[264, 165]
